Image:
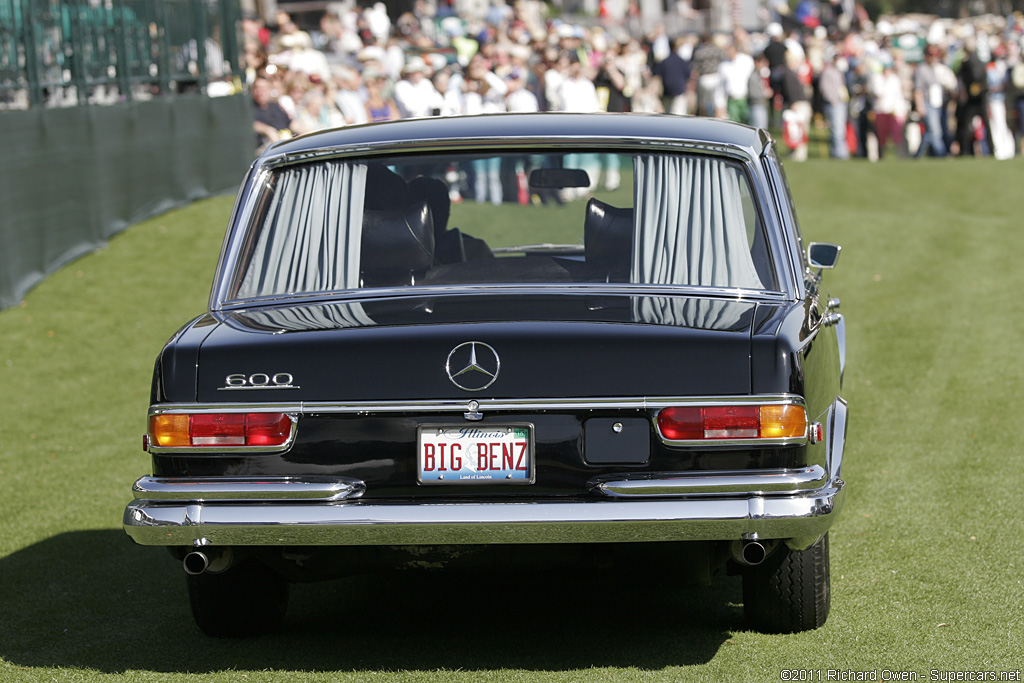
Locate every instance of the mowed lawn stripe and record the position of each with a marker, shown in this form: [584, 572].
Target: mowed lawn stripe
[933, 365]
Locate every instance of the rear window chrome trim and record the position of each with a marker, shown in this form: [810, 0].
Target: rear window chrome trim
[227, 278]
[484, 144]
[375, 294]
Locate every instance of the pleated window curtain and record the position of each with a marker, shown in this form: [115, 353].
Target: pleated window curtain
[310, 237]
[690, 225]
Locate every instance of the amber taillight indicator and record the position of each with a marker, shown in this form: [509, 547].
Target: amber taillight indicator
[182, 430]
[744, 421]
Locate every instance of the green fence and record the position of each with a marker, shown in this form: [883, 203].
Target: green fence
[70, 52]
[72, 177]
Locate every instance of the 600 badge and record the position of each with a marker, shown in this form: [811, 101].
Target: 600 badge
[259, 380]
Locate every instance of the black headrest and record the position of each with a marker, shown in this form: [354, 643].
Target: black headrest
[397, 240]
[435, 191]
[384, 188]
[608, 236]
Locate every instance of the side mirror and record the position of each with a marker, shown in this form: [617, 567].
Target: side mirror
[823, 255]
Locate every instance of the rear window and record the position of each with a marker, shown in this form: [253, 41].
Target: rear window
[509, 218]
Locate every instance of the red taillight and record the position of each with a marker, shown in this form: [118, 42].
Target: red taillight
[709, 423]
[267, 429]
[179, 430]
[218, 429]
[731, 422]
[682, 424]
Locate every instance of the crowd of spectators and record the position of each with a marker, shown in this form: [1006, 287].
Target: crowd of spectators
[909, 86]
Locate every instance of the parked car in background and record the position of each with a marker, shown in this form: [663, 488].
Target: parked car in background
[455, 339]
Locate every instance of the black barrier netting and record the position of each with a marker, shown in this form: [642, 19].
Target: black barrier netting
[71, 178]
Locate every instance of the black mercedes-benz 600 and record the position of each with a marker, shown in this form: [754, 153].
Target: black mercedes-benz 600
[459, 339]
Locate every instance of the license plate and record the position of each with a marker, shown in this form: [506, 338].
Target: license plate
[475, 454]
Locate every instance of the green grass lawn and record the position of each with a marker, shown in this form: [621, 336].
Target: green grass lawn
[927, 560]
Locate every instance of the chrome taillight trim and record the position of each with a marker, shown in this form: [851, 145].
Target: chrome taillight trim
[186, 409]
[786, 399]
[652, 405]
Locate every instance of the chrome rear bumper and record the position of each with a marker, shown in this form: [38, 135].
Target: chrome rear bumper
[321, 511]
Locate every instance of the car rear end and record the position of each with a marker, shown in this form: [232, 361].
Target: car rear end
[625, 368]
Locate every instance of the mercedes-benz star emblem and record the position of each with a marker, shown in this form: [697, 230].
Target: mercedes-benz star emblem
[472, 366]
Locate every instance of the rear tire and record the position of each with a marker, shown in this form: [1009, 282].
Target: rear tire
[790, 591]
[248, 599]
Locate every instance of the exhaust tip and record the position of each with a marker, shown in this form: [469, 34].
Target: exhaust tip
[195, 563]
[753, 553]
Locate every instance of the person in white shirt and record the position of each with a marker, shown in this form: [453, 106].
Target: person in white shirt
[929, 100]
[415, 94]
[519, 99]
[449, 86]
[350, 96]
[484, 90]
[485, 94]
[891, 108]
[578, 94]
[734, 72]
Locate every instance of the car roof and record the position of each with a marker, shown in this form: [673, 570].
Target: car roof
[534, 126]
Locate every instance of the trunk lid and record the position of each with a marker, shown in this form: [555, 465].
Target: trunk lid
[544, 346]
